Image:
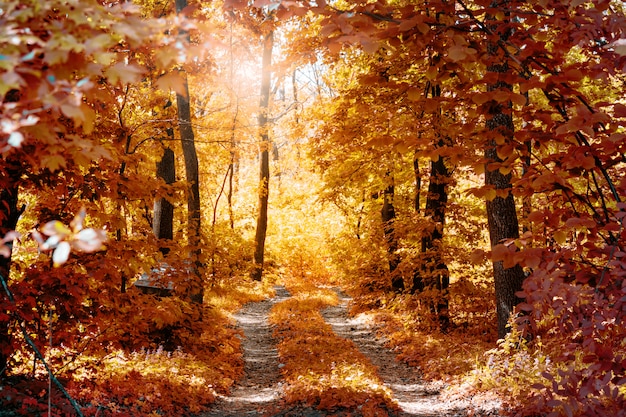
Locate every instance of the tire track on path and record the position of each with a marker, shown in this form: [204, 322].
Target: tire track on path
[260, 389]
[415, 398]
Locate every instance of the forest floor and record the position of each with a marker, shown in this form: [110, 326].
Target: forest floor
[259, 392]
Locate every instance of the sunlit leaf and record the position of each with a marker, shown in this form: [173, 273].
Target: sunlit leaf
[175, 81]
[55, 227]
[124, 73]
[15, 139]
[89, 240]
[61, 254]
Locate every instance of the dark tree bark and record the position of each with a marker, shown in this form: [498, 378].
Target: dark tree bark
[163, 225]
[418, 182]
[264, 177]
[9, 216]
[433, 272]
[388, 216]
[195, 290]
[501, 211]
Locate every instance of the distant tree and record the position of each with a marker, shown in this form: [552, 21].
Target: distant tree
[265, 144]
[187, 137]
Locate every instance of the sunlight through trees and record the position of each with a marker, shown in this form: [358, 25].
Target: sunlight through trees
[456, 166]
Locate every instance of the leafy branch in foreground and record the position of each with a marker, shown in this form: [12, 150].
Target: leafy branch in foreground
[61, 240]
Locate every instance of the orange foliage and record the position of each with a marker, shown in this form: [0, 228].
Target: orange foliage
[321, 369]
[86, 93]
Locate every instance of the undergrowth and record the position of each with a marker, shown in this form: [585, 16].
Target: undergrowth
[145, 379]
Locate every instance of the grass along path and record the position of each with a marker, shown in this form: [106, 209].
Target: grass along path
[414, 396]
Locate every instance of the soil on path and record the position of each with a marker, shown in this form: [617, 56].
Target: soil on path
[415, 397]
[259, 392]
[260, 389]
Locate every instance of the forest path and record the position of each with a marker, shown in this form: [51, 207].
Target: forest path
[260, 389]
[415, 397]
[259, 392]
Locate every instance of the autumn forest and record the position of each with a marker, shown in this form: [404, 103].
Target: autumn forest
[457, 167]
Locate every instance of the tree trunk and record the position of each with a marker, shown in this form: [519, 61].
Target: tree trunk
[233, 139]
[261, 223]
[163, 225]
[388, 215]
[195, 290]
[501, 211]
[418, 182]
[433, 272]
[9, 215]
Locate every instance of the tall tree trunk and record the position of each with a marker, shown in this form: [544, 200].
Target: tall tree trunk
[163, 224]
[264, 177]
[418, 182]
[9, 215]
[388, 215]
[233, 139]
[229, 195]
[501, 211]
[527, 201]
[433, 272]
[195, 290]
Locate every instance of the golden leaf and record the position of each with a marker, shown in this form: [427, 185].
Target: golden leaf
[457, 53]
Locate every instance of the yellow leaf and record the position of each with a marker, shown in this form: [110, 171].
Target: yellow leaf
[89, 118]
[104, 58]
[431, 73]
[560, 236]
[403, 147]
[414, 94]
[54, 162]
[55, 227]
[505, 169]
